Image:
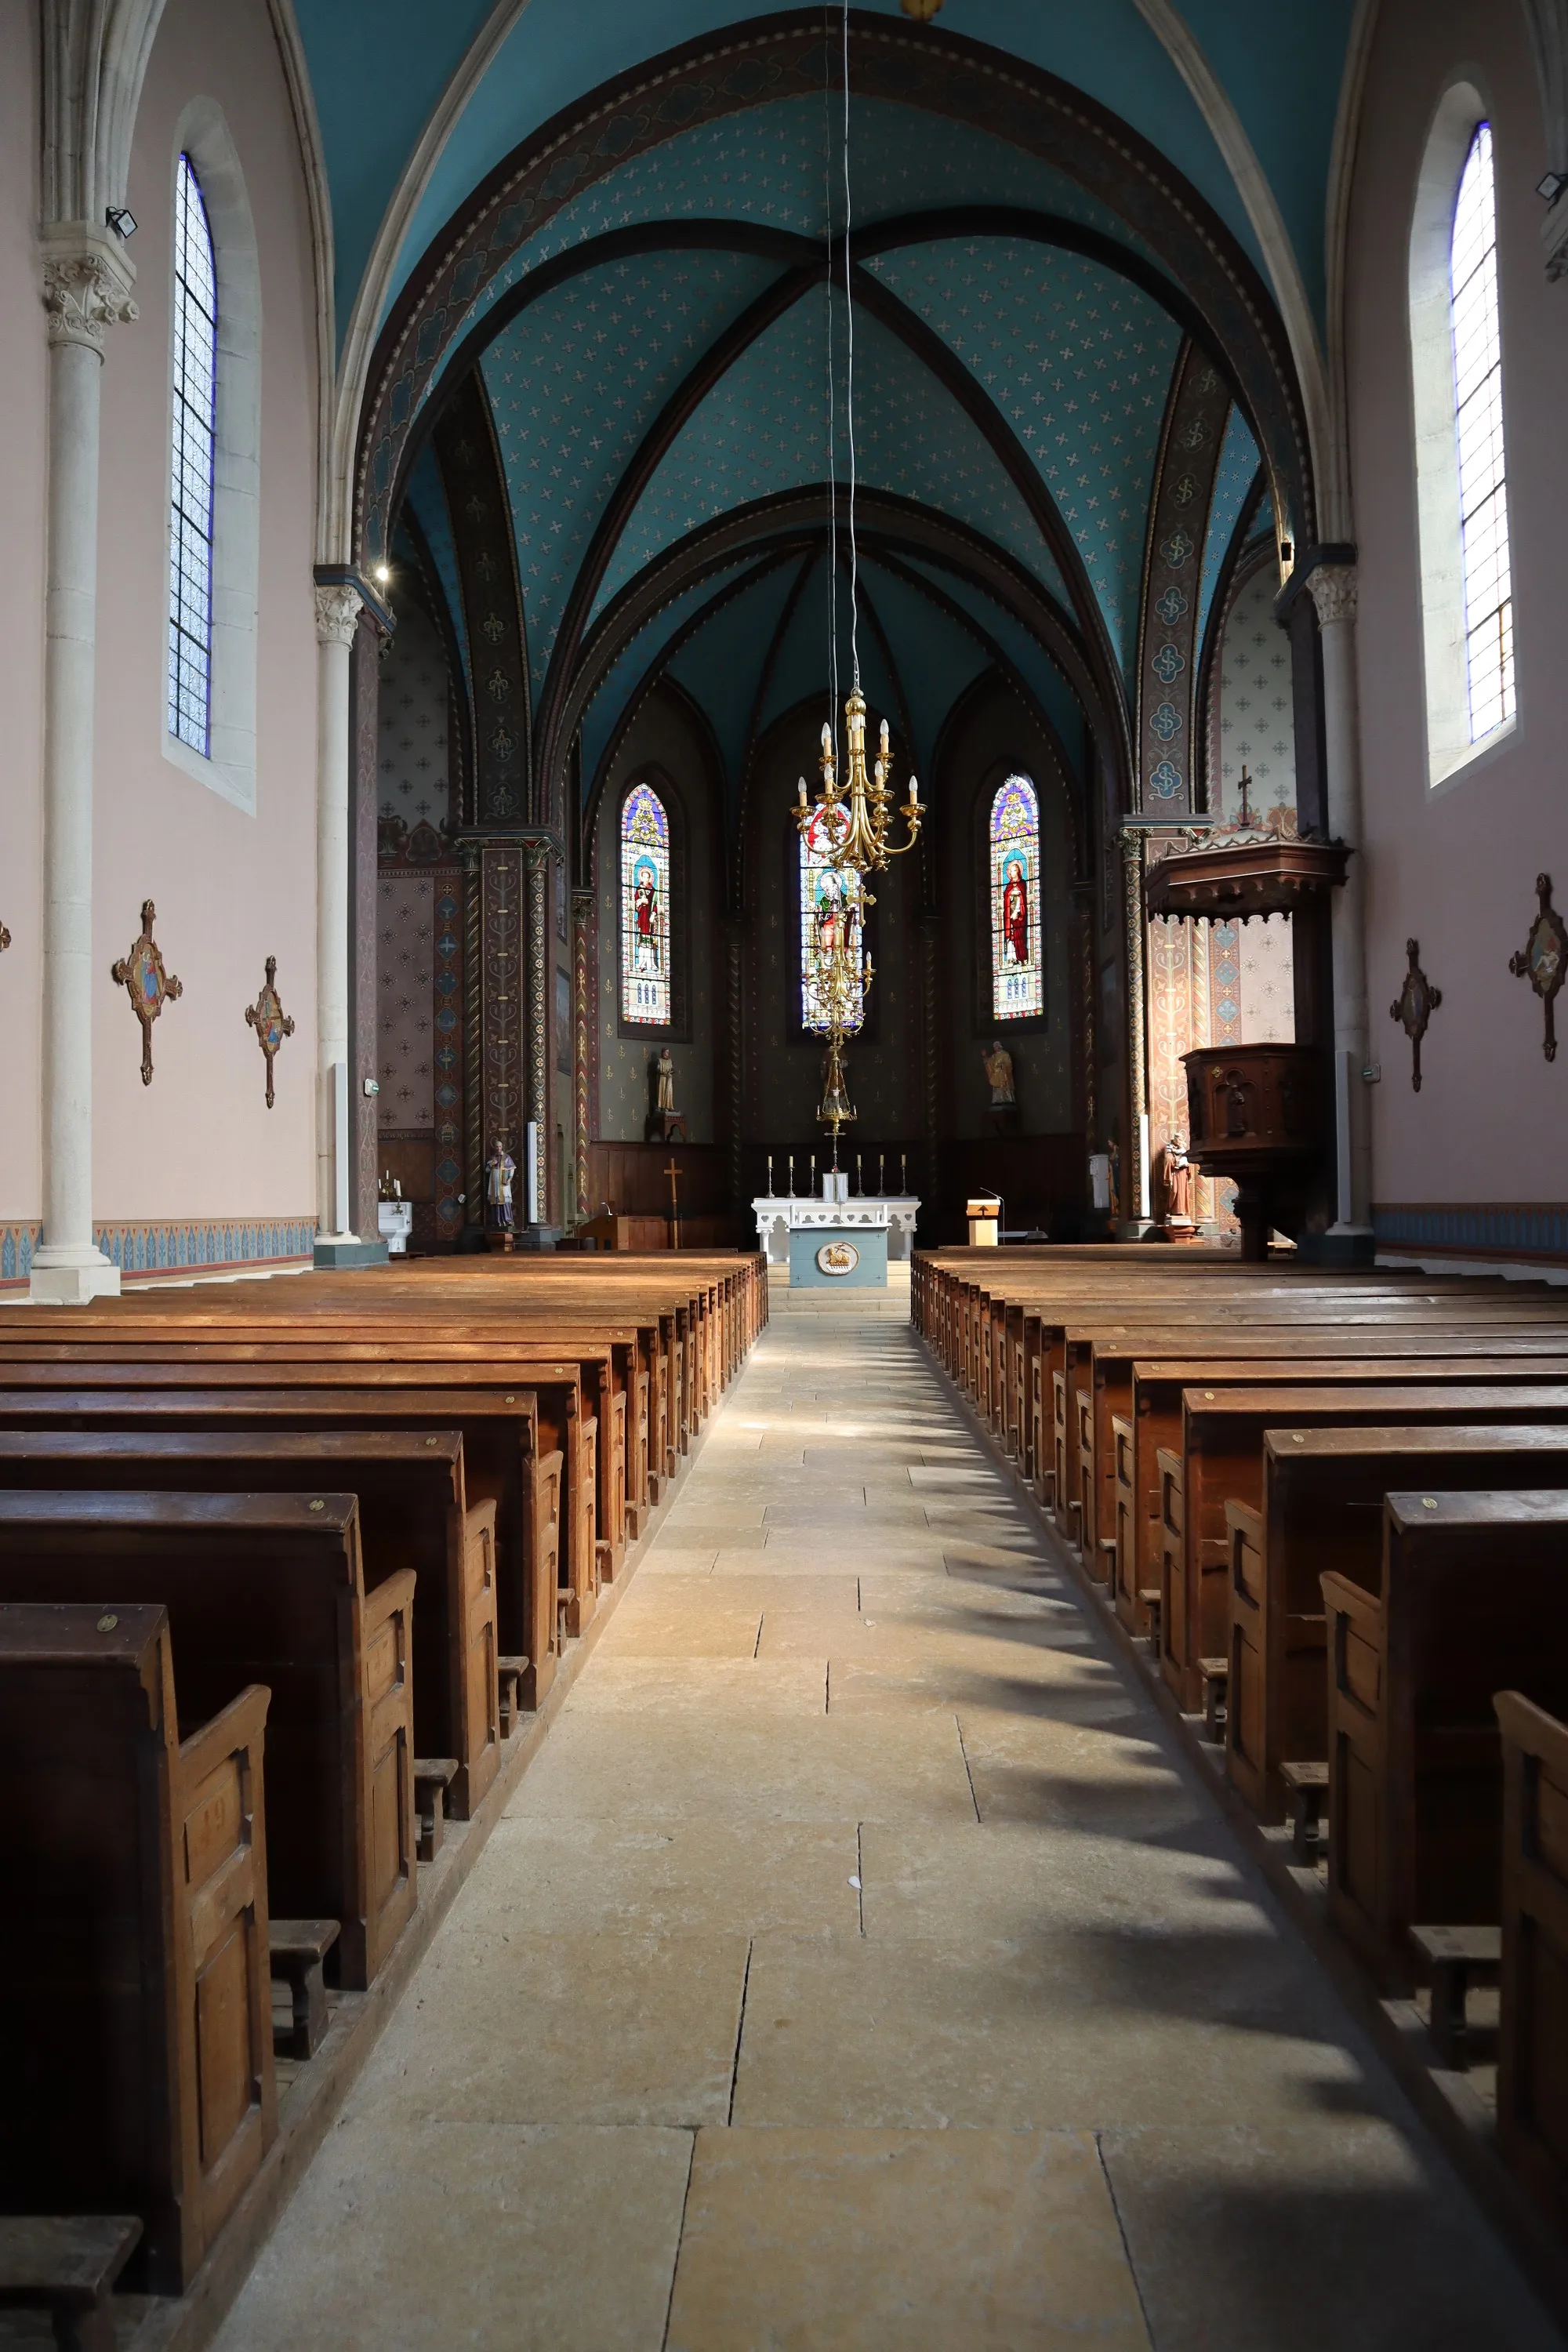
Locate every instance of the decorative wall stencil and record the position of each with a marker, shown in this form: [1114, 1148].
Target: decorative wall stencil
[1414, 1007]
[407, 1002]
[1252, 725]
[270, 1020]
[466, 449]
[1190, 441]
[1543, 960]
[149, 986]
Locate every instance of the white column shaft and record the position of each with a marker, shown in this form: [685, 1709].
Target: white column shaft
[332, 903]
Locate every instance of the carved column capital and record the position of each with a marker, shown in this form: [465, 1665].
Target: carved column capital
[87, 288]
[1333, 589]
[338, 608]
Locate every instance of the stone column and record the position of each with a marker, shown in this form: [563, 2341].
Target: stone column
[87, 287]
[1332, 587]
[337, 618]
[1135, 1203]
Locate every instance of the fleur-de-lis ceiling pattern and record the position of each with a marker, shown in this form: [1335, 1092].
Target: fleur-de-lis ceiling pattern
[1080, 363]
[650, 322]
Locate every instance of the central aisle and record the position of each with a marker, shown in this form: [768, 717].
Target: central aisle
[856, 1968]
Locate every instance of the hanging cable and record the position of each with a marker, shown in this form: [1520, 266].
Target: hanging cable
[850, 379]
[832, 447]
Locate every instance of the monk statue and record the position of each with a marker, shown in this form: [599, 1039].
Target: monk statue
[1176, 1175]
[499, 1169]
[664, 1069]
[998, 1063]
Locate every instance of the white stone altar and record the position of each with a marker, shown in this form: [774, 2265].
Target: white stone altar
[779, 1216]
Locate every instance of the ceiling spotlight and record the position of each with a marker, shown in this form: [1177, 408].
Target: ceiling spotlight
[1551, 187]
[923, 11]
[122, 220]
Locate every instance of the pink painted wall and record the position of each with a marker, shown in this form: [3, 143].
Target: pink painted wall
[23, 364]
[1457, 868]
[230, 889]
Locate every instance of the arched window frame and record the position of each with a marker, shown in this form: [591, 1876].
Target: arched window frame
[677, 913]
[229, 764]
[1451, 749]
[987, 1021]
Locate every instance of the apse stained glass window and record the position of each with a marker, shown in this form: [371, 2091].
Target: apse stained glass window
[1017, 984]
[191, 471]
[1477, 407]
[830, 921]
[645, 908]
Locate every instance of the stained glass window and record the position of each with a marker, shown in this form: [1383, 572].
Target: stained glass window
[829, 920]
[645, 908]
[1017, 981]
[1478, 411]
[190, 470]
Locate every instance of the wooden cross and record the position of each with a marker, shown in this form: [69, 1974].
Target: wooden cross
[673, 1172]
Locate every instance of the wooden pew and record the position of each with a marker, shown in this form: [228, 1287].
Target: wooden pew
[1471, 1600]
[413, 1512]
[133, 1962]
[1533, 2069]
[1221, 1462]
[553, 1387]
[1322, 1510]
[1159, 1387]
[267, 1589]
[501, 1463]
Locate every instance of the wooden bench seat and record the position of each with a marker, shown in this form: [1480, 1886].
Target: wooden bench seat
[413, 1512]
[66, 2265]
[133, 1968]
[1533, 2056]
[1322, 1508]
[1473, 1598]
[1221, 1460]
[501, 1463]
[267, 1589]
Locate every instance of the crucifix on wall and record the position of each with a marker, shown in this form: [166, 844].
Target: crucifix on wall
[673, 1172]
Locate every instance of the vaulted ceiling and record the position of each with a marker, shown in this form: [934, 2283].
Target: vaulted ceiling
[640, 262]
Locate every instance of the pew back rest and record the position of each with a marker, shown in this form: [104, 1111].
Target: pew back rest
[1532, 2064]
[134, 1956]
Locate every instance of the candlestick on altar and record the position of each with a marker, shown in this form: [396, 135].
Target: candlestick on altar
[770, 1175]
[811, 1179]
[792, 1175]
[903, 1175]
[859, 1179]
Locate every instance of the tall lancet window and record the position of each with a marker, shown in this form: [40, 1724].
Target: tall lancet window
[1477, 412]
[191, 470]
[830, 921]
[1017, 981]
[646, 995]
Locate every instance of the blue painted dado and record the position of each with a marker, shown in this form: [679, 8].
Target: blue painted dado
[868, 1273]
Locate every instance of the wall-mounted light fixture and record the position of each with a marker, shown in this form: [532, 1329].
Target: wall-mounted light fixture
[122, 220]
[1552, 186]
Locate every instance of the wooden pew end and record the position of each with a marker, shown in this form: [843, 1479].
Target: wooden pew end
[433, 1776]
[1456, 1958]
[1149, 1599]
[297, 1951]
[605, 1557]
[67, 2265]
[1307, 1792]
[1214, 1674]
[509, 1676]
[1103, 1568]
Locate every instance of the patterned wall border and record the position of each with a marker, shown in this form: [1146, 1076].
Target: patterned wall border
[194, 1246]
[1475, 1228]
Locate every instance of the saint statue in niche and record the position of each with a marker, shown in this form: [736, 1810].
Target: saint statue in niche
[1015, 914]
[499, 1169]
[646, 946]
[665, 1071]
[998, 1065]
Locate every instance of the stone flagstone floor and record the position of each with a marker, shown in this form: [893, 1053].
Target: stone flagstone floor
[856, 1967]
